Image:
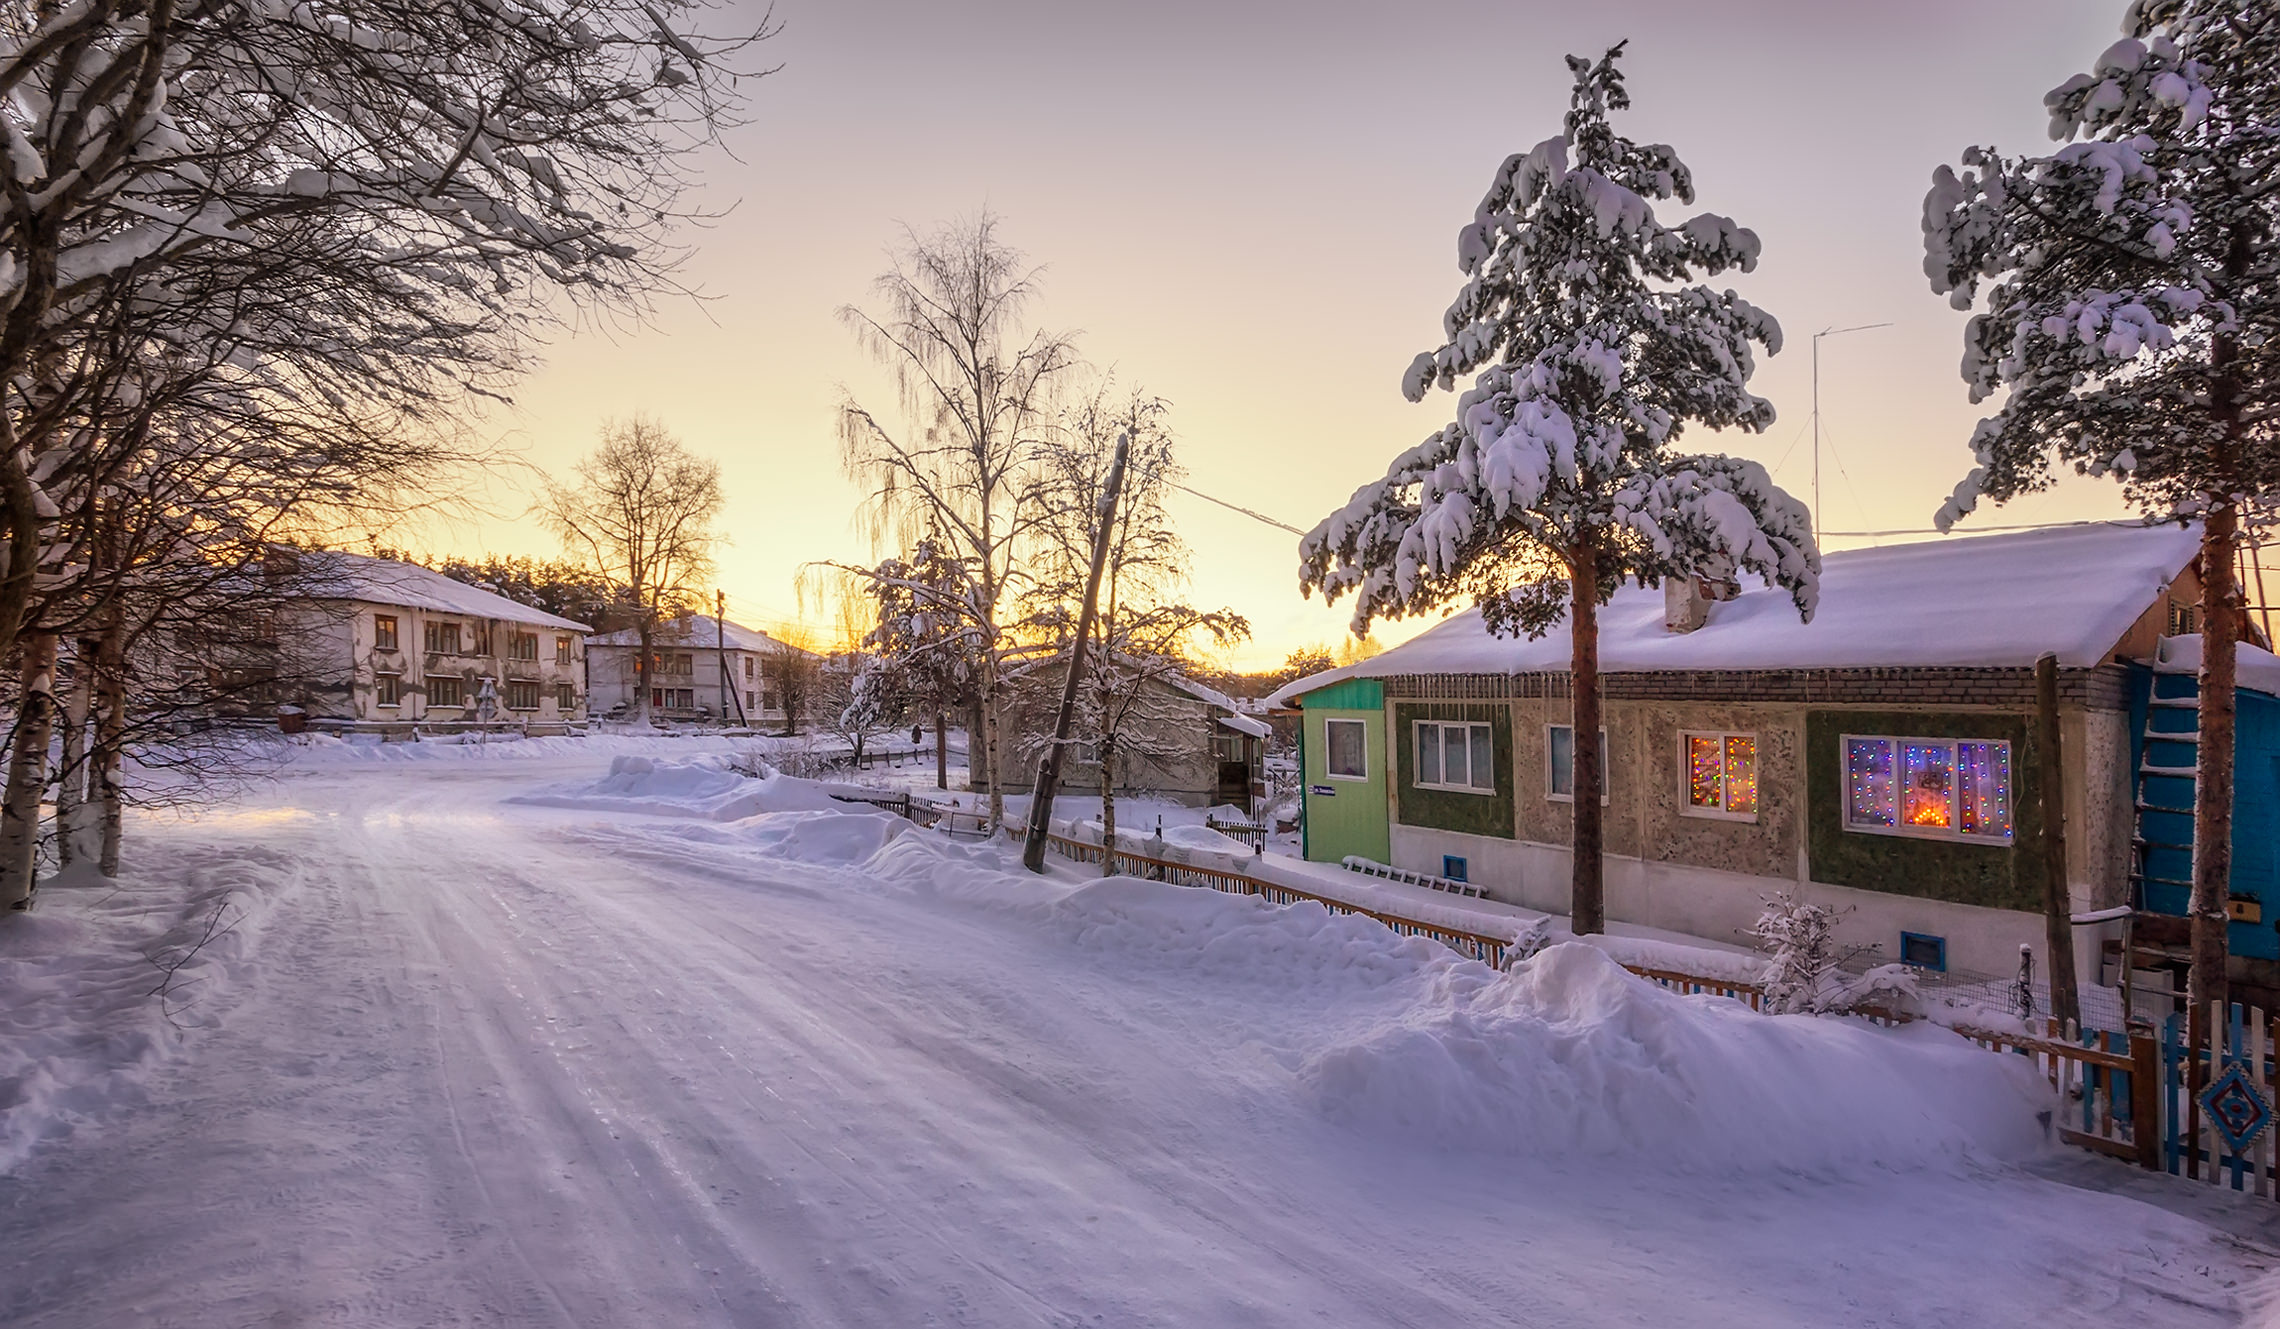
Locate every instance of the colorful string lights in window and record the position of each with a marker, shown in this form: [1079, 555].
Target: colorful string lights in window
[1741, 774]
[1943, 788]
[1721, 774]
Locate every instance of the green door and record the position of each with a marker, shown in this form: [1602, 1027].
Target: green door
[1346, 772]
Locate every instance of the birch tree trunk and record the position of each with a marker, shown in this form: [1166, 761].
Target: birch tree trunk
[27, 772]
[941, 749]
[1108, 808]
[73, 844]
[109, 752]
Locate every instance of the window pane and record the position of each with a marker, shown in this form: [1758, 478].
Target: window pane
[1983, 774]
[1870, 791]
[1345, 742]
[1453, 753]
[1483, 757]
[1741, 774]
[1563, 760]
[1428, 754]
[1928, 776]
[1705, 773]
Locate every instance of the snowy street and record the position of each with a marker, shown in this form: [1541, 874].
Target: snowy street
[488, 1063]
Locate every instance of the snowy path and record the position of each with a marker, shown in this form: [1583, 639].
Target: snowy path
[500, 1065]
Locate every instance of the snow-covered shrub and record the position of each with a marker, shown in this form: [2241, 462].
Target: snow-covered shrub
[1530, 939]
[1799, 938]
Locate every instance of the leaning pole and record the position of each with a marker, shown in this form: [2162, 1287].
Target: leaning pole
[1049, 767]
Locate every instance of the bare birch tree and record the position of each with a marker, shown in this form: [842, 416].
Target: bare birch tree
[641, 511]
[978, 389]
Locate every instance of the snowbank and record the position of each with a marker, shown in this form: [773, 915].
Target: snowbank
[702, 787]
[102, 978]
[1569, 1055]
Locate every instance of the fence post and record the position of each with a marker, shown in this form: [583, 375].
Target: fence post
[2145, 1099]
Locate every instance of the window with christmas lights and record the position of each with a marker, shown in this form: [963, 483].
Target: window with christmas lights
[1458, 756]
[1721, 775]
[1934, 788]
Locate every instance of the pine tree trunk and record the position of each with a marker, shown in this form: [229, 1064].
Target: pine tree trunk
[109, 753]
[1588, 894]
[941, 749]
[27, 771]
[2213, 771]
[71, 806]
[1108, 809]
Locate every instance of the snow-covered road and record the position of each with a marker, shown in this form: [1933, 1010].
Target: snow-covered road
[494, 1064]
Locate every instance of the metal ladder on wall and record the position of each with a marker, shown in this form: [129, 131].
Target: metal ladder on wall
[2161, 858]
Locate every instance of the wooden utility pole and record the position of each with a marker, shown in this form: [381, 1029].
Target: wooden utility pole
[2058, 910]
[1049, 768]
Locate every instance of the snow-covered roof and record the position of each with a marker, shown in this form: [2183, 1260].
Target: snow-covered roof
[1244, 724]
[1984, 600]
[2257, 669]
[696, 630]
[336, 574]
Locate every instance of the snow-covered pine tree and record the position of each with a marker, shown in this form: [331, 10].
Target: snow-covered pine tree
[930, 634]
[1558, 481]
[2131, 284]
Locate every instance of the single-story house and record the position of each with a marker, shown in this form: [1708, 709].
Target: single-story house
[1187, 742]
[1880, 759]
[705, 669]
[390, 645]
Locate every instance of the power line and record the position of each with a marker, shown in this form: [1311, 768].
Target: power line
[1237, 507]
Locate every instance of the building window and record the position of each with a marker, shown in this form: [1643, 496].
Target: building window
[384, 632]
[483, 638]
[2184, 619]
[446, 690]
[1458, 756]
[565, 697]
[522, 693]
[673, 699]
[523, 646]
[1454, 868]
[1559, 755]
[561, 650]
[749, 702]
[1721, 775]
[684, 665]
[442, 638]
[1346, 749]
[1934, 788]
[748, 666]
[388, 690]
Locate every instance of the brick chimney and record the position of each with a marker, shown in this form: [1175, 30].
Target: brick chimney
[1687, 600]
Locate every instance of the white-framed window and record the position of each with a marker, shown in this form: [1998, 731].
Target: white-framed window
[1346, 749]
[561, 650]
[388, 690]
[1458, 755]
[1559, 763]
[383, 632]
[446, 690]
[442, 638]
[565, 697]
[522, 694]
[1721, 775]
[1930, 788]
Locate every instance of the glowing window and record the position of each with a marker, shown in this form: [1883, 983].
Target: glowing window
[1937, 788]
[1721, 775]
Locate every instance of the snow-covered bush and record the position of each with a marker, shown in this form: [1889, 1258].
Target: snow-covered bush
[1803, 968]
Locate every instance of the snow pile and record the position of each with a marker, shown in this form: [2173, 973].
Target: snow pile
[1570, 1055]
[704, 787]
[102, 977]
[1295, 948]
[331, 750]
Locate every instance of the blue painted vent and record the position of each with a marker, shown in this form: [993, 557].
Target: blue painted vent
[1924, 951]
[1453, 868]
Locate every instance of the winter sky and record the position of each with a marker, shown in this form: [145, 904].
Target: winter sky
[1252, 207]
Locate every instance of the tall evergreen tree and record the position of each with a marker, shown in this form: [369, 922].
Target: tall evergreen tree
[1558, 479]
[2131, 288]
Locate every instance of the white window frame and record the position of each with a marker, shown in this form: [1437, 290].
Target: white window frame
[1724, 811]
[1948, 833]
[379, 690]
[1606, 781]
[1486, 732]
[1327, 749]
[427, 690]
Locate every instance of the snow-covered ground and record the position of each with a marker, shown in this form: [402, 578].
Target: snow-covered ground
[503, 1038]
